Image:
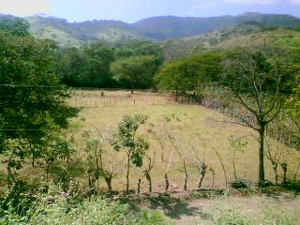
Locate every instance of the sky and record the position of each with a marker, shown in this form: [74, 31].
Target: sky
[134, 10]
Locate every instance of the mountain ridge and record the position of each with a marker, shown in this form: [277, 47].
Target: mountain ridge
[158, 28]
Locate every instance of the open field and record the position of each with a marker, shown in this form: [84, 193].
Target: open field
[187, 125]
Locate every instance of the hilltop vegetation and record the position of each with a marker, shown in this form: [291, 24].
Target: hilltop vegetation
[228, 38]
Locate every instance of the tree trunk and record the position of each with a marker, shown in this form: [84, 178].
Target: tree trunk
[108, 181]
[223, 167]
[201, 181]
[139, 186]
[275, 166]
[261, 152]
[284, 168]
[203, 168]
[186, 182]
[234, 171]
[33, 160]
[148, 177]
[213, 178]
[127, 174]
[167, 182]
[10, 177]
[186, 176]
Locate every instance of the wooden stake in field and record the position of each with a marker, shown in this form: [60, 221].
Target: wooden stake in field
[151, 163]
[201, 164]
[183, 159]
[167, 170]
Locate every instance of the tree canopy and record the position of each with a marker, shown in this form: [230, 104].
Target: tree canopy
[33, 107]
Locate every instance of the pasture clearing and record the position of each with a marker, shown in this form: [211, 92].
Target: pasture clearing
[194, 131]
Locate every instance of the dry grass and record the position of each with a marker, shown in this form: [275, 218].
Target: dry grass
[185, 122]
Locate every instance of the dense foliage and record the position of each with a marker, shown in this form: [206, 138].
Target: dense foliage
[33, 107]
[130, 65]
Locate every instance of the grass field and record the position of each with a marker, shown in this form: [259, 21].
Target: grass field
[102, 111]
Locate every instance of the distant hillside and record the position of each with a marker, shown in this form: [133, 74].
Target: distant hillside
[230, 37]
[156, 28]
[74, 34]
[162, 28]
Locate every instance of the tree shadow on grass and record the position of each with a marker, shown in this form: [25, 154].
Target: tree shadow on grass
[170, 206]
[174, 207]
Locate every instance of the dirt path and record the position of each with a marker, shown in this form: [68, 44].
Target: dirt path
[201, 210]
[205, 208]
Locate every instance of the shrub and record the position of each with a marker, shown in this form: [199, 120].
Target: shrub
[59, 208]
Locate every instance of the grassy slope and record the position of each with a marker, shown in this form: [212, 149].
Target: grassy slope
[185, 121]
[111, 34]
[284, 37]
[50, 32]
[229, 37]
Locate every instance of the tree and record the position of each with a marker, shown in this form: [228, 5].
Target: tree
[14, 25]
[86, 66]
[255, 78]
[97, 71]
[170, 78]
[33, 107]
[140, 48]
[199, 70]
[126, 139]
[189, 75]
[101, 161]
[137, 71]
[71, 67]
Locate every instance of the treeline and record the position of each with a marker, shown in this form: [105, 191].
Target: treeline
[131, 64]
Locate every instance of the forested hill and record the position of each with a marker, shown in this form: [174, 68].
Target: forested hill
[161, 28]
[156, 28]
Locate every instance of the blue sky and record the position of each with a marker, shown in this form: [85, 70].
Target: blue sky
[133, 10]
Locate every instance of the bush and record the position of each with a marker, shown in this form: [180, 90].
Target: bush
[58, 207]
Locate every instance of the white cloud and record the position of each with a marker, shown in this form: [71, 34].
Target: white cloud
[24, 7]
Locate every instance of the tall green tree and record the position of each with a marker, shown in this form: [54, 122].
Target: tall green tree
[71, 66]
[136, 71]
[97, 71]
[170, 78]
[32, 100]
[191, 74]
[255, 76]
[88, 66]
